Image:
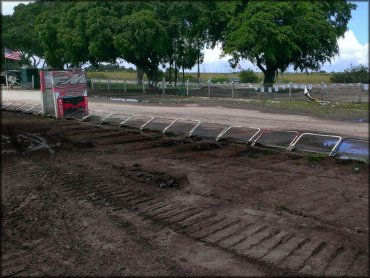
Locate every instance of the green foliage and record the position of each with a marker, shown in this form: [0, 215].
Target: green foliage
[271, 34]
[19, 32]
[248, 76]
[359, 74]
[142, 40]
[315, 158]
[220, 79]
[276, 34]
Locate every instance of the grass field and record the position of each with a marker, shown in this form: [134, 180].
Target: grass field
[312, 78]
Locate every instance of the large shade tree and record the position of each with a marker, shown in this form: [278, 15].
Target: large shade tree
[142, 40]
[276, 34]
[19, 32]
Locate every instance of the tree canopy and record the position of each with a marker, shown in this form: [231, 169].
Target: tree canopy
[271, 34]
[276, 34]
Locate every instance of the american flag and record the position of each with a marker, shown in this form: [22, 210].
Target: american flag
[13, 55]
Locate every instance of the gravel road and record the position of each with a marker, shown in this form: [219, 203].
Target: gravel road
[217, 114]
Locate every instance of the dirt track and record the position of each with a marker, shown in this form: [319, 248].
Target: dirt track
[108, 201]
[251, 118]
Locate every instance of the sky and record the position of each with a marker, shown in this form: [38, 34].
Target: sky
[353, 47]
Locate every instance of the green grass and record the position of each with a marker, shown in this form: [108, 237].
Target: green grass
[342, 110]
[315, 158]
[312, 78]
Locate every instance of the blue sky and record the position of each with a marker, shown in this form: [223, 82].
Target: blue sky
[354, 47]
[359, 23]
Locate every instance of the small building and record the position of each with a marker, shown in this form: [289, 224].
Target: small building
[30, 77]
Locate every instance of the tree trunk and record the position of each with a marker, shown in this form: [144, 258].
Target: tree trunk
[170, 71]
[175, 74]
[152, 75]
[183, 76]
[198, 62]
[269, 77]
[139, 75]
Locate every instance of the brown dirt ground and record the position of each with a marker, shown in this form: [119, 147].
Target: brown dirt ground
[107, 201]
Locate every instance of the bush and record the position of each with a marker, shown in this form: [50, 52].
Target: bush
[248, 76]
[359, 74]
[220, 79]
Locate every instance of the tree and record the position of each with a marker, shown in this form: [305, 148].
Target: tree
[276, 34]
[72, 34]
[53, 52]
[18, 32]
[358, 74]
[142, 40]
[101, 19]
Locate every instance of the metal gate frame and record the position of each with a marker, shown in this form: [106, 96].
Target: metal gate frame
[335, 150]
[133, 116]
[237, 126]
[177, 119]
[291, 147]
[4, 106]
[202, 123]
[266, 130]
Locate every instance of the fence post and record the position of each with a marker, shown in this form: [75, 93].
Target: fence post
[92, 83]
[124, 85]
[6, 81]
[163, 84]
[209, 87]
[261, 89]
[108, 86]
[33, 82]
[361, 89]
[187, 87]
[232, 89]
[143, 87]
[290, 91]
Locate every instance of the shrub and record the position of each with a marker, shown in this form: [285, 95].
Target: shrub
[359, 74]
[248, 76]
[220, 79]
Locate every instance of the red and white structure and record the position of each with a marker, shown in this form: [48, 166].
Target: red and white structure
[63, 92]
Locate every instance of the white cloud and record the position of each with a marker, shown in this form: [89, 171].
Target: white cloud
[351, 52]
[7, 7]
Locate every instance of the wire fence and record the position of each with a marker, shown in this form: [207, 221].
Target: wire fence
[353, 92]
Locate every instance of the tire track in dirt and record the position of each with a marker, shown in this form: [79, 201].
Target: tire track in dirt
[255, 240]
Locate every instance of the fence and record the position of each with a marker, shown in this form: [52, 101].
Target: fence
[323, 92]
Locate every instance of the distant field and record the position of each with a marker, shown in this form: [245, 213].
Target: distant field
[311, 78]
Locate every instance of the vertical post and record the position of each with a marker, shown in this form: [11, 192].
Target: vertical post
[261, 89]
[6, 81]
[232, 89]
[108, 86]
[33, 82]
[322, 90]
[290, 91]
[209, 87]
[92, 83]
[187, 87]
[361, 89]
[163, 84]
[143, 87]
[125, 85]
